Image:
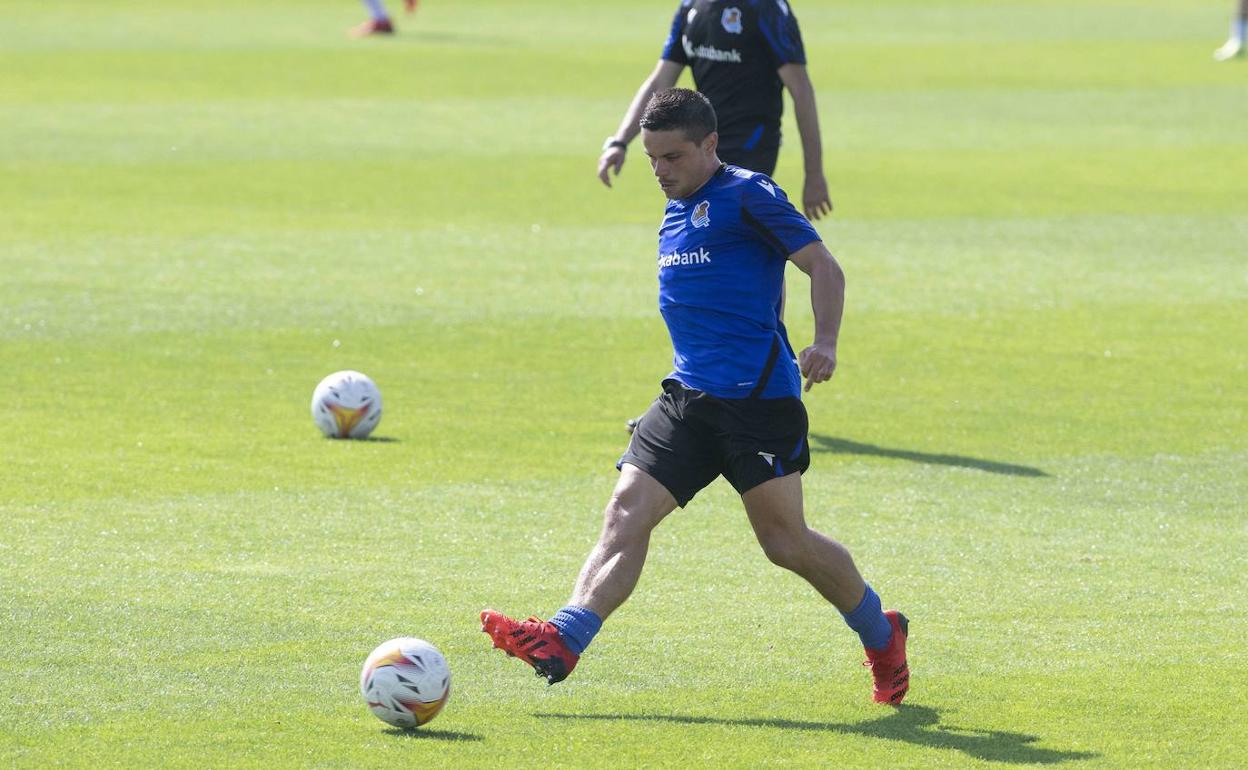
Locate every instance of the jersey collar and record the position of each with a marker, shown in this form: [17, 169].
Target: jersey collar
[718, 173]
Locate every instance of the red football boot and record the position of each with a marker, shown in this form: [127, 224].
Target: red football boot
[372, 27]
[888, 666]
[534, 641]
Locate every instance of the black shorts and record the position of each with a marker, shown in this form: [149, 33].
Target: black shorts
[687, 438]
[760, 159]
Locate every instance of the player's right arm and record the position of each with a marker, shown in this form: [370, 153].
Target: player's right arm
[827, 298]
[664, 76]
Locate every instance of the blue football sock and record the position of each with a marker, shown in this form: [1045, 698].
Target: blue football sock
[1239, 27]
[577, 626]
[376, 10]
[869, 621]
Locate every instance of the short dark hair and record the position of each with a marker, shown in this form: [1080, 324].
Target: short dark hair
[683, 109]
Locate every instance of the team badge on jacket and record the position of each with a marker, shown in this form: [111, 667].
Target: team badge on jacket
[701, 214]
[732, 20]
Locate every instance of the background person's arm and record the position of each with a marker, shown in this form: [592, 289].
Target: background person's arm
[815, 199]
[664, 76]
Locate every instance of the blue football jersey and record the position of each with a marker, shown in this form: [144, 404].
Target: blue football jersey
[722, 253]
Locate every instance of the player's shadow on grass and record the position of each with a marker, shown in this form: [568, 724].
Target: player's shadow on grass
[919, 725]
[846, 447]
[419, 36]
[367, 440]
[432, 735]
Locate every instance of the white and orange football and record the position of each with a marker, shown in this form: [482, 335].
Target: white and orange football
[405, 682]
[346, 405]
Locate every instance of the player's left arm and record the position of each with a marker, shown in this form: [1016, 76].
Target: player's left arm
[815, 200]
[827, 298]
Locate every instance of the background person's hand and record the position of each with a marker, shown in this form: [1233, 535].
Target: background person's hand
[611, 158]
[815, 200]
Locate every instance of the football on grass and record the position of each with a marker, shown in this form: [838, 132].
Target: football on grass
[405, 682]
[346, 405]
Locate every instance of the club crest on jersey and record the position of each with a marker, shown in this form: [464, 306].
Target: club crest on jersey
[701, 216]
[731, 20]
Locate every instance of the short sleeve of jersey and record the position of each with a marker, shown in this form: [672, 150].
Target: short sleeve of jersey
[673, 50]
[779, 28]
[766, 210]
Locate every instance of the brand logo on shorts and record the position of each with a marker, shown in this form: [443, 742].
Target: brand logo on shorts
[701, 214]
[732, 20]
[769, 457]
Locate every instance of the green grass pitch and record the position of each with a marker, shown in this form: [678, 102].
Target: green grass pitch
[1036, 443]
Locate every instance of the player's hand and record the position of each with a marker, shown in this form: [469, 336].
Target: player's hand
[817, 363]
[815, 200]
[611, 158]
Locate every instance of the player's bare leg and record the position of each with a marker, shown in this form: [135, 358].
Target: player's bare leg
[612, 569]
[776, 513]
[607, 579]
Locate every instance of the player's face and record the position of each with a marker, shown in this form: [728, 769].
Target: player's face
[681, 166]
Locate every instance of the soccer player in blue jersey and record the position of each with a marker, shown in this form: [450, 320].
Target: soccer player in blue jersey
[731, 407]
[743, 55]
[1234, 45]
[379, 22]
